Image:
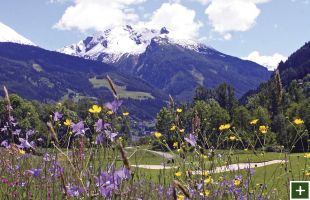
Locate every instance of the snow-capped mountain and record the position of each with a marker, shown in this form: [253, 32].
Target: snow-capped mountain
[172, 65]
[9, 35]
[112, 44]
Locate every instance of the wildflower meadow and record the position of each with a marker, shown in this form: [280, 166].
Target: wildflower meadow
[92, 158]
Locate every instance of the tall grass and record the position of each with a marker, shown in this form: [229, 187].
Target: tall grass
[95, 165]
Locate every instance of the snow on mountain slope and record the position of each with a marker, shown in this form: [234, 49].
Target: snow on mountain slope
[9, 35]
[110, 45]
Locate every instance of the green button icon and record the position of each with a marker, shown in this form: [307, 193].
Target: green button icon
[299, 190]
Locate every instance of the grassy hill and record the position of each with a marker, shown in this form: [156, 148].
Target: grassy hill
[48, 76]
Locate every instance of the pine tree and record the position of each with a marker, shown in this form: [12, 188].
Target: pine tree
[277, 94]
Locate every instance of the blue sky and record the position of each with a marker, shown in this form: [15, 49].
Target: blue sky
[265, 30]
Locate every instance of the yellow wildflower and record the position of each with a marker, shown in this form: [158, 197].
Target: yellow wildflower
[22, 152]
[110, 112]
[224, 127]
[182, 130]
[180, 197]
[179, 110]
[307, 155]
[298, 121]
[208, 180]
[68, 122]
[175, 144]
[254, 121]
[178, 174]
[263, 129]
[232, 138]
[157, 135]
[307, 173]
[237, 182]
[173, 127]
[245, 149]
[205, 193]
[95, 109]
[125, 113]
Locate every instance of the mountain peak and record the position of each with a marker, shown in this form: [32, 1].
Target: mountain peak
[7, 34]
[111, 44]
[164, 31]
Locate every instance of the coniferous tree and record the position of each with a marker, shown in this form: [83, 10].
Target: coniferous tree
[225, 96]
[295, 92]
[277, 94]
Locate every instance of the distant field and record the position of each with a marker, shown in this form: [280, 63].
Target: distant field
[121, 90]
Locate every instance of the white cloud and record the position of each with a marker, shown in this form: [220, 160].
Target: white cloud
[178, 19]
[227, 36]
[228, 16]
[102, 14]
[98, 14]
[270, 62]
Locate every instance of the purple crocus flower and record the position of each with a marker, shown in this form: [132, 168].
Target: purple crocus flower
[106, 125]
[46, 157]
[199, 186]
[111, 135]
[17, 132]
[107, 191]
[170, 191]
[102, 179]
[121, 175]
[192, 139]
[99, 125]
[114, 105]
[5, 143]
[78, 128]
[56, 169]
[4, 129]
[29, 133]
[35, 172]
[239, 177]
[108, 182]
[25, 144]
[99, 139]
[105, 183]
[57, 116]
[74, 191]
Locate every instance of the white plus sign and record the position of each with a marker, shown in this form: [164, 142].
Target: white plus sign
[300, 190]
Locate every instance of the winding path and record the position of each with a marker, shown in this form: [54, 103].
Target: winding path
[241, 166]
[232, 167]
